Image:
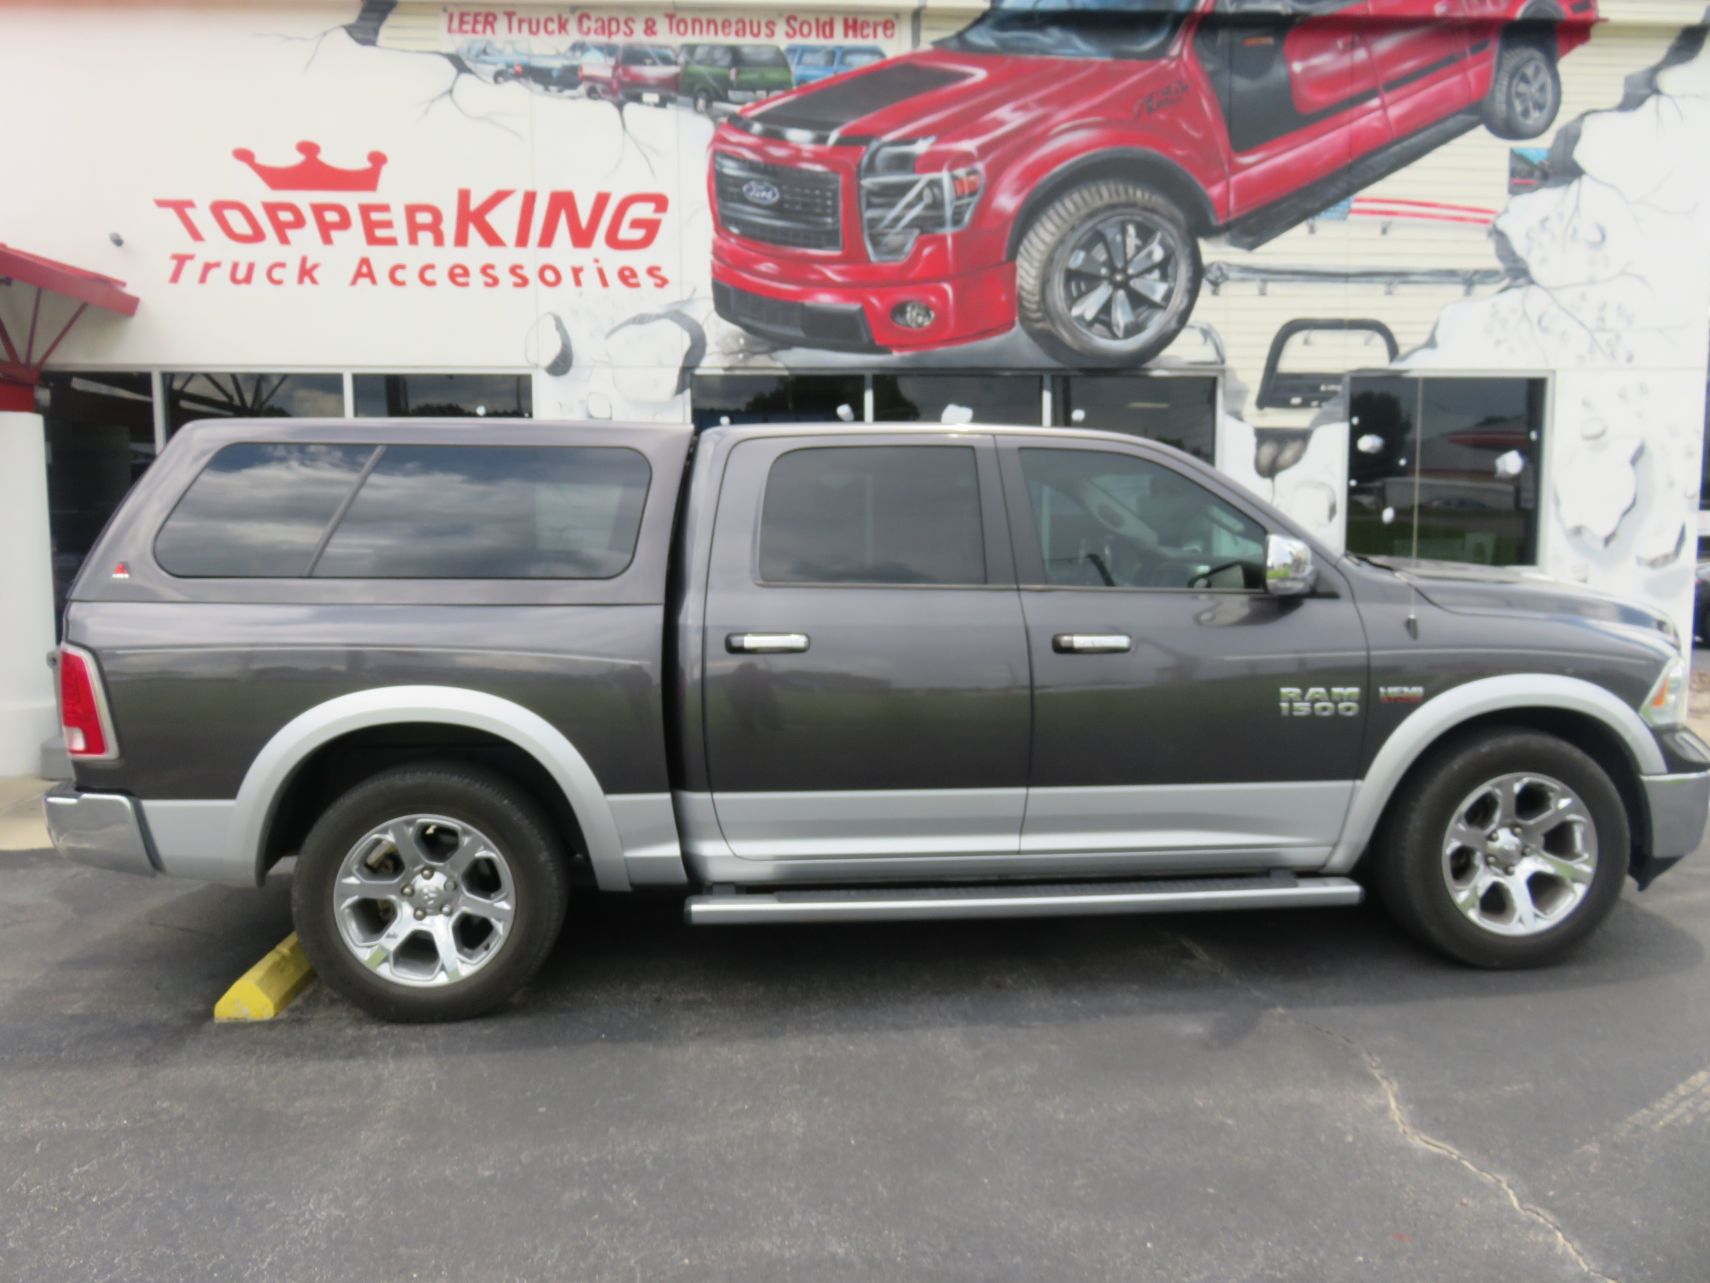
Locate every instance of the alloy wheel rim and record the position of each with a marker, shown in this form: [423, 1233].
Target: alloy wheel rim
[1121, 279]
[1519, 854]
[1531, 93]
[424, 900]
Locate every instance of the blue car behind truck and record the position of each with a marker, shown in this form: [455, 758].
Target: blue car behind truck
[821, 62]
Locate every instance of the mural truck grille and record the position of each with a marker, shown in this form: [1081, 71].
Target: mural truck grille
[799, 208]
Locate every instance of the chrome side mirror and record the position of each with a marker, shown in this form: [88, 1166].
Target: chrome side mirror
[1289, 571]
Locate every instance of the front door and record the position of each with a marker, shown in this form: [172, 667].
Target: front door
[866, 676]
[1183, 717]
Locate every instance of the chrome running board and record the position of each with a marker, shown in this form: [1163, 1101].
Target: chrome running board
[1034, 900]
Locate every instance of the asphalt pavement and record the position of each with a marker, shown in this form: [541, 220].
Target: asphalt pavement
[1302, 1096]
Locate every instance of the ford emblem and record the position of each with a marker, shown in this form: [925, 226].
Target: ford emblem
[760, 192]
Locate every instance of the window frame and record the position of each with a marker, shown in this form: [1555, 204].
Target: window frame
[1029, 557]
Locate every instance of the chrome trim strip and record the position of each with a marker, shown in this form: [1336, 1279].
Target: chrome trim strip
[193, 839]
[943, 903]
[1427, 723]
[102, 830]
[1186, 817]
[840, 823]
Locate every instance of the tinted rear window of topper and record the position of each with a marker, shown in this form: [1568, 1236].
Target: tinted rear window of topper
[422, 512]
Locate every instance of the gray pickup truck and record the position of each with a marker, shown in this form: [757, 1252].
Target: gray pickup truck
[816, 674]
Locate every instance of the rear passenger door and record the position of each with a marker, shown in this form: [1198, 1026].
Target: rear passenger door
[866, 678]
[1183, 717]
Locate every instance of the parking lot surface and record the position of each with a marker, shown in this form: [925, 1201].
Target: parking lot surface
[1236, 1096]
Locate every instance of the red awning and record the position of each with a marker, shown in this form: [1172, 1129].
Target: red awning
[20, 366]
[62, 278]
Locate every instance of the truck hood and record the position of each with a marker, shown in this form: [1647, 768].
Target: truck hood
[1468, 589]
[939, 94]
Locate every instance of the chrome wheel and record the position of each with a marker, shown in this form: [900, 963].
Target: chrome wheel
[1531, 96]
[1519, 854]
[1123, 279]
[424, 900]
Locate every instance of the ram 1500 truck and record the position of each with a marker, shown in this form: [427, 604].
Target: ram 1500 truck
[818, 674]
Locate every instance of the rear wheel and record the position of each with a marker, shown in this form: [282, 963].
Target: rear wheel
[1525, 93]
[1107, 274]
[1506, 850]
[430, 892]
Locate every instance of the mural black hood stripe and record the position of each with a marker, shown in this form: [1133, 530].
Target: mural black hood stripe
[826, 110]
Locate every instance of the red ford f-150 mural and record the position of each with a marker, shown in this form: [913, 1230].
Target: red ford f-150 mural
[1056, 162]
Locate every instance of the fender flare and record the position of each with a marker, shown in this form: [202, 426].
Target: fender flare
[277, 763]
[1427, 724]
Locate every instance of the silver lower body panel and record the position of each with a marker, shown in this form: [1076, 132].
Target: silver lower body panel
[1036, 901]
[103, 830]
[1679, 807]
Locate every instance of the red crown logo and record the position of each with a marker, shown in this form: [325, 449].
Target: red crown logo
[312, 174]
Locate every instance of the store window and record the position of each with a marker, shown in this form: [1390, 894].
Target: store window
[1445, 468]
[251, 396]
[100, 439]
[1178, 411]
[444, 396]
[987, 397]
[776, 398]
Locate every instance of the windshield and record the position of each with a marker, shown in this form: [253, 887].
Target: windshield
[1073, 28]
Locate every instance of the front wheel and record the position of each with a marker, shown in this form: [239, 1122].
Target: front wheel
[1107, 274]
[429, 892]
[1504, 850]
[1525, 93]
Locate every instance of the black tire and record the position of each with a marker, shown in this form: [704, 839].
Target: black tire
[510, 819]
[1049, 285]
[1410, 856]
[1525, 92]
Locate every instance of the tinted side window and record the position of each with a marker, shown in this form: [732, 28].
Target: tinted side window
[258, 511]
[873, 515]
[717, 55]
[635, 56]
[492, 512]
[761, 56]
[1109, 520]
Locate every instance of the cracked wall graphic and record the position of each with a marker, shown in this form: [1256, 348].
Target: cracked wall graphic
[1314, 215]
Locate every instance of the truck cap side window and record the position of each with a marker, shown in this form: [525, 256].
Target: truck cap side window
[1108, 520]
[258, 510]
[492, 512]
[873, 515]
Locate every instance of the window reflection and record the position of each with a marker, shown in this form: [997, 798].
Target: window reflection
[1179, 412]
[444, 396]
[776, 398]
[989, 398]
[227, 395]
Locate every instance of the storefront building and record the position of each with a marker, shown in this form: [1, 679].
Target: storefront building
[1431, 275]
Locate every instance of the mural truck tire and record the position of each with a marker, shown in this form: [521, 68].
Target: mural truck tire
[1504, 849]
[1107, 274]
[430, 892]
[1525, 93]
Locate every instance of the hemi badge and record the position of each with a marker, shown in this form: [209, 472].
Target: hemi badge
[1400, 694]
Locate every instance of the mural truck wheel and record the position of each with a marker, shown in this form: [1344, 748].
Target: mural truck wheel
[1525, 94]
[1107, 274]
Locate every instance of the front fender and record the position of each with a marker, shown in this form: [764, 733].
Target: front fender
[1428, 723]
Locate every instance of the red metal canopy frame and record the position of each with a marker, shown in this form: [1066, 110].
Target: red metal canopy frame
[20, 367]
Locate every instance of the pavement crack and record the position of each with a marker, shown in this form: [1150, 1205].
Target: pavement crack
[1397, 1113]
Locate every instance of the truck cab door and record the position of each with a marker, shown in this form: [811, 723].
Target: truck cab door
[1298, 91]
[1419, 51]
[865, 679]
[1183, 718]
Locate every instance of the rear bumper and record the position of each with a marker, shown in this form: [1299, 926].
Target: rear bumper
[1679, 807]
[102, 830]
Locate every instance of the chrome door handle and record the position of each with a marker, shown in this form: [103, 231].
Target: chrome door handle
[1092, 643]
[766, 643]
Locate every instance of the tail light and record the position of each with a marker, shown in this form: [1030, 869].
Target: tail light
[83, 708]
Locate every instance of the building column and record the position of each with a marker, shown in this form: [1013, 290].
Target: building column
[28, 713]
